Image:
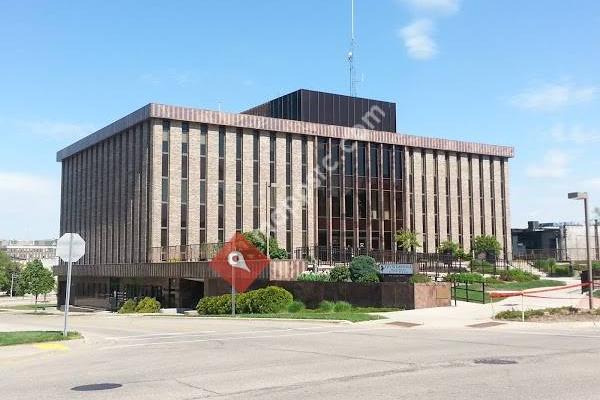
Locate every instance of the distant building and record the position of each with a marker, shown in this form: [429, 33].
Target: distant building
[28, 250]
[563, 241]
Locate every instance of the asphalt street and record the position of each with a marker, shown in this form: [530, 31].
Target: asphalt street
[166, 357]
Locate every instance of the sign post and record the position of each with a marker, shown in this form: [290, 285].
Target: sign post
[239, 263]
[70, 248]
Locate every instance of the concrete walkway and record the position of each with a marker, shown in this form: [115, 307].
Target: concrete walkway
[468, 314]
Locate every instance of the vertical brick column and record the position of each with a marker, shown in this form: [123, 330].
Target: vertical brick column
[230, 190]
[194, 184]
[175, 184]
[212, 183]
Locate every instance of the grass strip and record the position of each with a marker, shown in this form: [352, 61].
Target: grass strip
[24, 337]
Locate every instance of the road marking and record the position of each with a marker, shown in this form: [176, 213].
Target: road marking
[153, 335]
[51, 346]
[222, 339]
[207, 333]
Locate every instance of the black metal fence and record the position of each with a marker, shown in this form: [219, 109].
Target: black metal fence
[436, 263]
[469, 291]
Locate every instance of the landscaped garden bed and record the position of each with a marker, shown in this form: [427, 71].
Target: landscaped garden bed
[276, 302]
[558, 314]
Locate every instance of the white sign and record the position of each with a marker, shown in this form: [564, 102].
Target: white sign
[397, 269]
[70, 247]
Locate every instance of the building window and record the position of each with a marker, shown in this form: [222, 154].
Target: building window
[349, 159]
[221, 187]
[399, 188]
[459, 197]
[288, 192]
[374, 160]
[503, 204]
[304, 151]
[493, 196]
[164, 220]
[481, 197]
[272, 188]
[424, 227]
[238, 179]
[362, 159]
[256, 180]
[436, 199]
[203, 134]
[185, 133]
[471, 199]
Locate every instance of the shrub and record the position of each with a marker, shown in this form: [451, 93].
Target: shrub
[369, 277]
[271, 299]
[517, 275]
[314, 277]
[339, 273]
[448, 247]
[326, 306]
[362, 266]
[295, 306]
[545, 265]
[561, 270]
[342, 306]
[128, 307]
[465, 277]
[481, 266]
[215, 305]
[419, 278]
[148, 305]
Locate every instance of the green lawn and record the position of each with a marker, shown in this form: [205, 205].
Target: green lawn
[475, 296]
[31, 307]
[524, 285]
[357, 314]
[22, 337]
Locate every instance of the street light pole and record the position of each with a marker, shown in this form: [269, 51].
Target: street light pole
[588, 252]
[584, 196]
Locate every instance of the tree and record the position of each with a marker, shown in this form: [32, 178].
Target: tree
[597, 212]
[407, 240]
[487, 244]
[36, 279]
[448, 247]
[7, 268]
[257, 238]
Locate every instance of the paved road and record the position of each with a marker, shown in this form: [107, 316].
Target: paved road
[188, 358]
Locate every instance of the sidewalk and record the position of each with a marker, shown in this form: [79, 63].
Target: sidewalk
[468, 314]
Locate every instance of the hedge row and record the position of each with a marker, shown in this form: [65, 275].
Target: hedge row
[271, 299]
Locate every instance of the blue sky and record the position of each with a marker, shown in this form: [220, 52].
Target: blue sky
[520, 73]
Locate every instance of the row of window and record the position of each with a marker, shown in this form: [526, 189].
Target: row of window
[239, 201]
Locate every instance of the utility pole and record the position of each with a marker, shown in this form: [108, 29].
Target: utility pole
[12, 282]
[584, 196]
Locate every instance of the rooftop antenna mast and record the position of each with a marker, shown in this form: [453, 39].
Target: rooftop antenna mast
[351, 55]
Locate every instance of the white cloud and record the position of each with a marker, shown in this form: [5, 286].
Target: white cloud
[170, 76]
[554, 164]
[418, 40]
[593, 183]
[574, 134]
[29, 205]
[445, 7]
[553, 96]
[54, 129]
